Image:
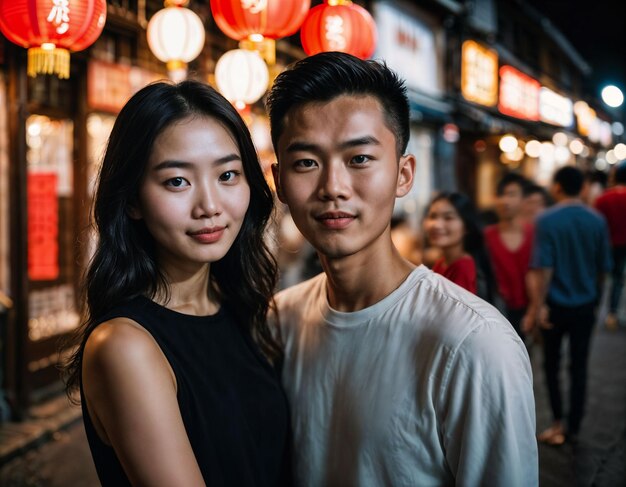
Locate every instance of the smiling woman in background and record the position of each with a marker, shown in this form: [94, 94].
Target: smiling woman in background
[452, 225]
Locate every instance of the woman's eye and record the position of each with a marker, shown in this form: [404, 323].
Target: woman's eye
[177, 182]
[229, 176]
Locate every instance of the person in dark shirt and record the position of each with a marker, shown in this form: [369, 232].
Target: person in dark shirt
[569, 261]
[173, 360]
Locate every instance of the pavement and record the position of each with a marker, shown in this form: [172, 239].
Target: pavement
[50, 448]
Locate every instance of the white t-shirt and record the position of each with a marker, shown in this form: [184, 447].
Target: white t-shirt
[430, 386]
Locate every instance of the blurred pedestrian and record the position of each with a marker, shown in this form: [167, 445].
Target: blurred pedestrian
[612, 204]
[174, 385]
[452, 225]
[536, 200]
[594, 186]
[570, 256]
[509, 244]
[395, 376]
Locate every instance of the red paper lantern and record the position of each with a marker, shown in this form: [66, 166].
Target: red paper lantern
[52, 28]
[339, 25]
[257, 19]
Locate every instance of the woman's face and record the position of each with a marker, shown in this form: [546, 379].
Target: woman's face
[194, 194]
[443, 225]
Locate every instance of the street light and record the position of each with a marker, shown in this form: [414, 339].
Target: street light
[612, 96]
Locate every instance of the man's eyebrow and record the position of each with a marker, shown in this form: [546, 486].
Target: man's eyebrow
[302, 147]
[365, 140]
[173, 164]
[309, 147]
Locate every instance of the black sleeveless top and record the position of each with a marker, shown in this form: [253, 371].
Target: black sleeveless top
[231, 403]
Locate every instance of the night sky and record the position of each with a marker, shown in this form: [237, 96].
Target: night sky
[597, 30]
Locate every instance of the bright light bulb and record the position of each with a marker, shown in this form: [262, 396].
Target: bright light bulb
[620, 151]
[576, 146]
[611, 158]
[533, 148]
[559, 139]
[516, 155]
[508, 143]
[612, 96]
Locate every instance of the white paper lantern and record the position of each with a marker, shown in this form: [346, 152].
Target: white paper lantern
[176, 37]
[241, 76]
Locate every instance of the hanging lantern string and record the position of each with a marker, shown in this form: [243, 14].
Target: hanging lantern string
[48, 61]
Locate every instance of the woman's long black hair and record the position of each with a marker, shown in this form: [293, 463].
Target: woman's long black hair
[124, 264]
[473, 240]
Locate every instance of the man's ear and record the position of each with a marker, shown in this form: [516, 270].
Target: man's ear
[276, 175]
[406, 172]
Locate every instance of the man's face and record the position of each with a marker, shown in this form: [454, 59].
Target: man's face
[509, 203]
[339, 173]
[533, 205]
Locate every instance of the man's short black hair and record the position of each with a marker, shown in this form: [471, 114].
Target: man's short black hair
[570, 179]
[325, 76]
[620, 173]
[511, 178]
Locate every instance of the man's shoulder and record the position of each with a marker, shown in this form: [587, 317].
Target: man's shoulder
[453, 313]
[548, 215]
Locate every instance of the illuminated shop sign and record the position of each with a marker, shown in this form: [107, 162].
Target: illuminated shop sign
[43, 226]
[479, 74]
[519, 94]
[555, 109]
[585, 118]
[410, 47]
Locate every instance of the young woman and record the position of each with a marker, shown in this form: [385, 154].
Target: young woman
[452, 225]
[172, 360]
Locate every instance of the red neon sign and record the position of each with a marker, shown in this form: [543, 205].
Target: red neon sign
[43, 227]
[519, 94]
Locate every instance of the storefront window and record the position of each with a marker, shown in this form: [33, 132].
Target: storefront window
[51, 232]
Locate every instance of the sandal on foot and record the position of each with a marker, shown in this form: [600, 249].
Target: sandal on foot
[553, 436]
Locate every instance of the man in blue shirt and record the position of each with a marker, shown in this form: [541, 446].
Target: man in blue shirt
[571, 254]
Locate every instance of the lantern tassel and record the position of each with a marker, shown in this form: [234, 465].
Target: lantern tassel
[49, 61]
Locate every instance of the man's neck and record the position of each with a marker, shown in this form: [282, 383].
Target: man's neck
[358, 281]
[570, 200]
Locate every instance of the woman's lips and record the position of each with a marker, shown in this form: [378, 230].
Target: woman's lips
[207, 235]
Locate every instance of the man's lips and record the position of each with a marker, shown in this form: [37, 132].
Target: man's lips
[207, 235]
[335, 220]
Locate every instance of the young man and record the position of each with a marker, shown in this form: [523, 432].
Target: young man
[570, 257]
[509, 243]
[612, 204]
[536, 199]
[395, 375]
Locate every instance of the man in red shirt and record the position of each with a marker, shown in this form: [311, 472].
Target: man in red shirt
[509, 243]
[612, 204]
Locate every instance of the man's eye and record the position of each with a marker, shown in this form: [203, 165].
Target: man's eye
[177, 182]
[306, 163]
[360, 159]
